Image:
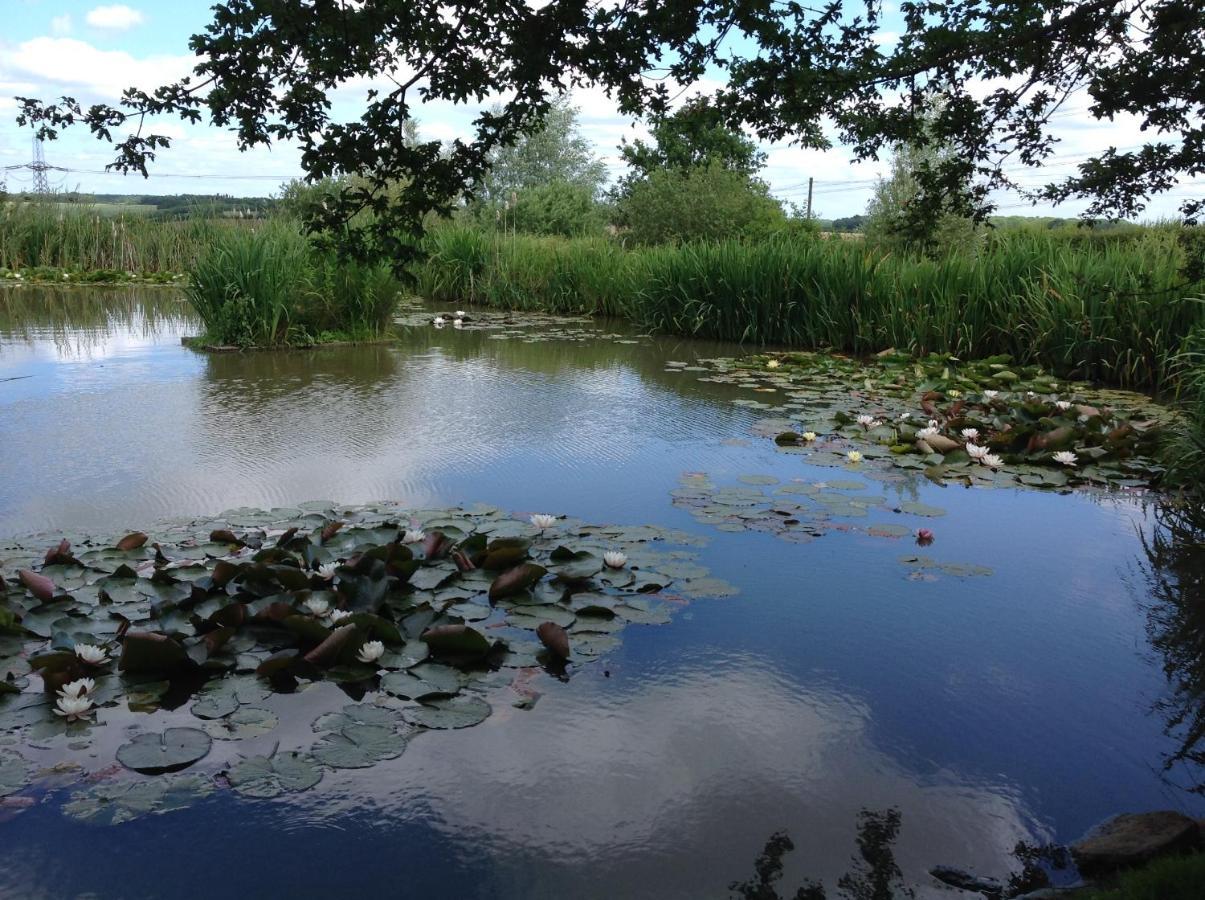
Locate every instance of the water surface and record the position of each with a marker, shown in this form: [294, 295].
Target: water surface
[987, 710]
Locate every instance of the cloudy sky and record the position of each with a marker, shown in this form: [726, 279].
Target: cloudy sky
[91, 51]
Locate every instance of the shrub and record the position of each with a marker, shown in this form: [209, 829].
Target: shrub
[707, 202]
[560, 208]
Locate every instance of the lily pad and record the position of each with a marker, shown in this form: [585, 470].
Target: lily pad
[173, 749]
[265, 777]
[448, 712]
[358, 746]
[244, 722]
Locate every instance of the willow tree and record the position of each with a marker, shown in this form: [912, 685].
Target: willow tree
[790, 70]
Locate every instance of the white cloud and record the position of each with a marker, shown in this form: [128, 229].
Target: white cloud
[118, 17]
[61, 24]
[58, 63]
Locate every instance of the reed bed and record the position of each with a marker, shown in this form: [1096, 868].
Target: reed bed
[269, 287]
[78, 238]
[1115, 312]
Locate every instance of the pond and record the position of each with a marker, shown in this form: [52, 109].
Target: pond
[1000, 688]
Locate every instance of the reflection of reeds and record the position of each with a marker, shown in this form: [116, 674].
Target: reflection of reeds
[84, 318]
[1176, 626]
[1186, 453]
[78, 238]
[268, 287]
[1109, 311]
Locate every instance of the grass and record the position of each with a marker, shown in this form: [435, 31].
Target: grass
[1186, 451]
[1115, 312]
[1174, 878]
[83, 238]
[267, 287]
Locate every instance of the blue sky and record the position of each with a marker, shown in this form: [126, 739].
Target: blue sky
[92, 50]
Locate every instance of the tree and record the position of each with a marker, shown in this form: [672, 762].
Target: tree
[889, 219]
[693, 135]
[704, 202]
[267, 68]
[554, 152]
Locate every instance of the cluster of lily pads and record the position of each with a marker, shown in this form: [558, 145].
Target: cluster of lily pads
[800, 511]
[422, 619]
[526, 327]
[56, 275]
[984, 422]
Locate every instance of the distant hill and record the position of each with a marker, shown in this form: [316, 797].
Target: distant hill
[163, 206]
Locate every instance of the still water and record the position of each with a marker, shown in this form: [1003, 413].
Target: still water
[987, 710]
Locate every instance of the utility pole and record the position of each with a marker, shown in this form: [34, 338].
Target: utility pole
[41, 184]
[809, 198]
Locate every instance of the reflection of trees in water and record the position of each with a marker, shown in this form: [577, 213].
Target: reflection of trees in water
[1175, 568]
[875, 875]
[80, 318]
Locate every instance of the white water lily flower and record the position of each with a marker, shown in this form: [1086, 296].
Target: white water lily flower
[438, 320]
[1064, 405]
[460, 313]
[542, 521]
[976, 452]
[854, 456]
[317, 606]
[926, 433]
[1030, 394]
[615, 559]
[970, 434]
[73, 708]
[327, 570]
[370, 652]
[457, 323]
[809, 435]
[773, 364]
[932, 423]
[91, 654]
[990, 395]
[869, 422]
[1066, 457]
[338, 615]
[77, 688]
[904, 416]
[992, 461]
[414, 536]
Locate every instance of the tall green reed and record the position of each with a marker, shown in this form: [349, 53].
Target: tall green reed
[269, 287]
[77, 237]
[1116, 311]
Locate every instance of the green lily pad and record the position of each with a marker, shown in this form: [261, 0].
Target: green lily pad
[155, 753]
[358, 746]
[14, 772]
[265, 777]
[116, 802]
[448, 712]
[244, 722]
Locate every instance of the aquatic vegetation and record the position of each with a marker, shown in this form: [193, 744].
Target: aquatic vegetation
[938, 416]
[1115, 313]
[269, 287]
[78, 240]
[207, 634]
[801, 511]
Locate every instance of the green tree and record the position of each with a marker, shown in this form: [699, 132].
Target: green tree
[559, 207]
[693, 135]
[555, 152]
[890, 222]
[705, 202]
[267, 69]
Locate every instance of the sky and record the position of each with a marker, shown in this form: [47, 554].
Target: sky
[93, 50]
